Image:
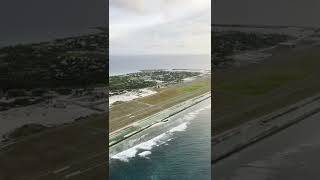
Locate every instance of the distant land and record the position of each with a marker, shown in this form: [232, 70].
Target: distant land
[265, 26]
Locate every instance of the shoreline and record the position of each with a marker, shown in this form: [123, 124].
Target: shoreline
[262, 127]
[6, 142]
[151, 121]
[157, 135]
[53, 112]
[165, 69]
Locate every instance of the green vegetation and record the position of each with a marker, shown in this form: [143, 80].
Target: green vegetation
[69, 62]
[194, 87]
[244, 94]
[55, 147]
[128, 83]
[267, 81]
[147, 78]
[125, 113]
[26, 130]
[228, 43]
[258, 86]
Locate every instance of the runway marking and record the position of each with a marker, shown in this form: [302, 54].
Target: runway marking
[47, 173]
[144, 103]
[93, 167]
[72, 174]
[79, 172]
[61, 169]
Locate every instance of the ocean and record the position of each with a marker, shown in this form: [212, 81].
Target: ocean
[133, 63]
[181, 152]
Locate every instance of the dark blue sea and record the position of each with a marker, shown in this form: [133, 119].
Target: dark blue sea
[133, 63]
[181, 153]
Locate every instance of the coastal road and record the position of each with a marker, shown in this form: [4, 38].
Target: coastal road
[290, 154]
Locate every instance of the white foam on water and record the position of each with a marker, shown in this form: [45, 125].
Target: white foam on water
[126, 155]
[148, 145]
[181, 127]
[162, 139]
[144, 154]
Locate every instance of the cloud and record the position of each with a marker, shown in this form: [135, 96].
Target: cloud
[165, 6]
[133, 5]
[160, 26]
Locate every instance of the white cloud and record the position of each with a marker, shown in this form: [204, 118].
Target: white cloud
[160, 26]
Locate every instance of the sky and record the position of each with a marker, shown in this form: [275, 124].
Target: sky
[40, 20]
[160, 26]
[268, 12]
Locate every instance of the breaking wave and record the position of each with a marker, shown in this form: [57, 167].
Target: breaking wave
[148, 145]
[144, 149]
[145, 154]
[181, 127]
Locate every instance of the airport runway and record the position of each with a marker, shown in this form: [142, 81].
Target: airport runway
[75, 151]
[290, 154]
[95, 165]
